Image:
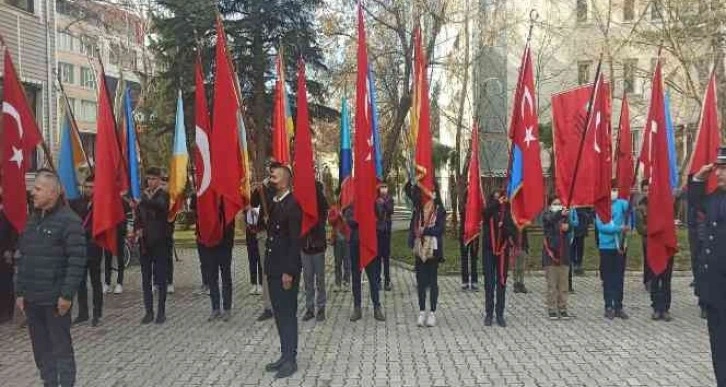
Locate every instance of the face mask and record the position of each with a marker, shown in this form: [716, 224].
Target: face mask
[613, 195]
[556, 208]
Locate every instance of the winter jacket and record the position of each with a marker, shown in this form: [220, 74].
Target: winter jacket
[314, 241]
[610, 234]
[556, 243]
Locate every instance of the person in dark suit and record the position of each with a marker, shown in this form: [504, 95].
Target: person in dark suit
[262, 194]
[8, 241]
[711, 262]
[154, 234]
[283, 267]
[384, 226]
[498, 230]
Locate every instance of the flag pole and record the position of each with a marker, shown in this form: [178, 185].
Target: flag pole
[74, 124]
[598, 74]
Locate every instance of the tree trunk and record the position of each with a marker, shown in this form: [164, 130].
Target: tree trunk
[459, 173]
[259, 131]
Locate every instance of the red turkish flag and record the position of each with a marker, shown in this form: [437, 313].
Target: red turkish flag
[624, 169]
[303, 180]
[474, 204]
[708, 138]
[108, 209]
[424, 145]
[227, 173]
[598, 145]
[280, 140]
[20, 135]
[365, 169]
[209, 225]
[662, 243]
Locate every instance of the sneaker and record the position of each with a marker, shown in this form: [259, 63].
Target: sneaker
[464, 287]
[431, 320]
[148, 318]
[226, 315]
[253, 290]
[666, 316]
[170, 289]
[621, 314]
[474, 287]
[106, 289]
[378, 314]
[214, 315]
[118, 289]
[287, 369]
[609, 313]
[655, 316]
[356, 315]
[552, 315]
[488, 321]
[421, 319]
[564, 315]
[266, 315]
[321, 315]
[309, 315]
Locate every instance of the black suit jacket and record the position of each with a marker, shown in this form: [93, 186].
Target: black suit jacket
[153, 213]
[711, 259]
[283, 238]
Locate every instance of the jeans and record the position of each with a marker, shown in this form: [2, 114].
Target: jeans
[557, 287]
[717, 334]
[50, 335]
[612, 266]
[203, 263]
[647, 273]
[373, 272]
[495, 267]
[154, 261]
[469, 262]
[341, 251]
[284, 307]
[384, 253]
[94, 271]
[314, 277]
[660, 289]
[427, 278]
[220, 263]
[253, 256]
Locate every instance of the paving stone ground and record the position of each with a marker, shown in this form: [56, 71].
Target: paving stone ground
[460, 351]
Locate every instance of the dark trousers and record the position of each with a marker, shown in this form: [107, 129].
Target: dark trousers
[203, 263]
[7, 292]
[384, 253]
[253, 256]
[693, 249]
[427, 278]
[121, 239]
[50, 335]
[94, 271]
[170, 263]
[717, 334]
[647, 273]
[493, 284]
[577, 251]
[469, 262]
[373, 272]
[219, 260]
[660, 289]
[154, 261]
[612, 271]
[284, 307]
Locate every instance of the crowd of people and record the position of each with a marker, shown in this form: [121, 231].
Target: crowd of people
[51, 262]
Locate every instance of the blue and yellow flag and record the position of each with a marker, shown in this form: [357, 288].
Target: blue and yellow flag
[70, 159]
[179, 162]
[131, 148]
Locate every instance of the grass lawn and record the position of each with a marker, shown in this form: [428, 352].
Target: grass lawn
[401, 252]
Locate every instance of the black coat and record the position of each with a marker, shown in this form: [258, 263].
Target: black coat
[711, 262]
[82, 208]
[8, 236]
[153, 213]
[283, 238]
[314, 240]
[494, 214]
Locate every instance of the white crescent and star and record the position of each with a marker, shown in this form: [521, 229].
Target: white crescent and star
[202, 140]
[17, 157]
[527, 100]
[12, 112]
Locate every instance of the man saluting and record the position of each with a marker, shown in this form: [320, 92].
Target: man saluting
[283, 266]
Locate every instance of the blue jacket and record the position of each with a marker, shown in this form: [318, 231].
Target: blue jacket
[610, 234]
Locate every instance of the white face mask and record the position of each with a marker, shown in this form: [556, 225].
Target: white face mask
[613, 195]
[556, 207]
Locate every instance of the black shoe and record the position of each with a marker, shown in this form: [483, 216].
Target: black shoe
[579, 272]
[564, 315]
[571, 291]
[286, 370]
[321, 315]
[465, 287]
[95, 322]
[80, 319]
[553, 315]
[656, 316]
[309, 315]
[523, 289]
[148, 318]
[646, 285]
[517, 288]
[160, 318]
[501, 322]
[274, 366]
[266, 315]
[609, 313]
[692, 284]
[666, 316]
[621, 314]
[704, 314]
[488, 321]
[378, 314]
[387, 287]
[226, 315]
[214, 315]
[356, 315]
[474, 287]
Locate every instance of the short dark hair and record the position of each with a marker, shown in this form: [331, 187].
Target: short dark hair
[90, 178]
[278, 165]
[153, 171]
[644, 183]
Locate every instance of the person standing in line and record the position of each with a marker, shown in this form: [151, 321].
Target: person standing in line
[641, 222]
[83, 207]
[8, 246]
[577, 248]
[253, 250]
[696, 232]
[283, 266]
[612, 257]
[261, 203]
[558, 225]
[219, 264]
[373, 273]
[154, 235]
[121, 240]
[384, 226]
[313, 262]
[711, 263]
[498, 231]
[469, 251]
[520, 251]
[427, 242]
[50, 269]
[340, 235]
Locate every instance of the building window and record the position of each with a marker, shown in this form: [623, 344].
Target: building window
[88, 79]
[583, 72]
[628, 10]
[113, 54]
[66, 71]
[88, 111]
[65, 41]
[88, 46]
[656, 10]
[25, 5]
[581, 10]
[629, 69]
